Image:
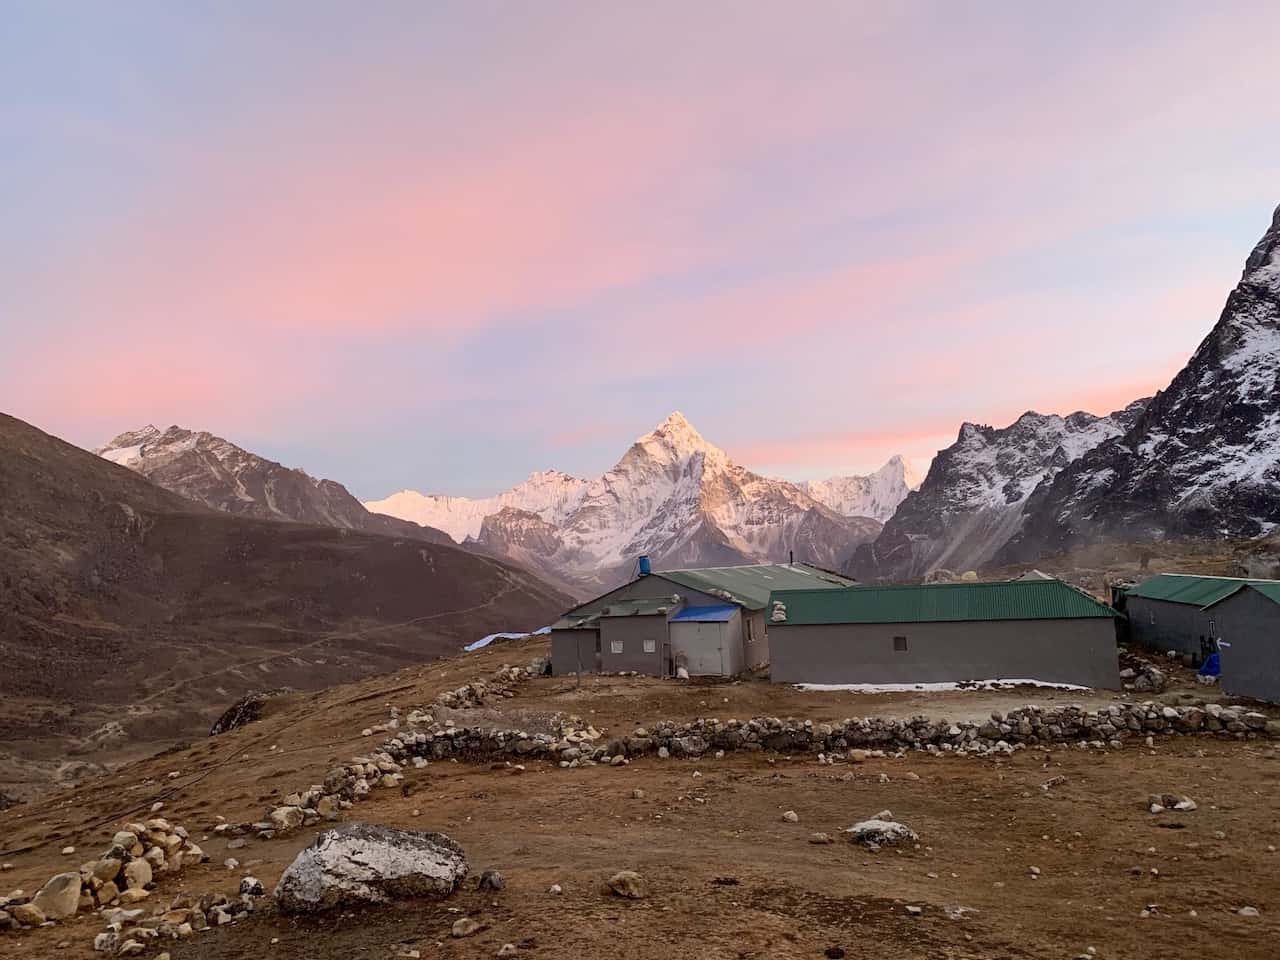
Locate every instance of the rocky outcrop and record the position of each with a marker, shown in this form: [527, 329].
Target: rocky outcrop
[359, 864]
[1203, 459]
[245, 710]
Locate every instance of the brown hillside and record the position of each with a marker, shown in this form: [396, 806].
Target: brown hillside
[122, 603]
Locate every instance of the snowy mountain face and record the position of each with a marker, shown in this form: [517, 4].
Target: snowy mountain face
[673, 496]
[876, 495]
[972, 500]
[550, 495]
[1203, 460]
[217, 473]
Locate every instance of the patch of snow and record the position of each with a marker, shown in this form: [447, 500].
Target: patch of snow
[123, 455]
[941, 687]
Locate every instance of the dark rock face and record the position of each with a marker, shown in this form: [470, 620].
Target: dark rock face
[244, 711]
[217, 473]
[973, 498]
[1203, 459]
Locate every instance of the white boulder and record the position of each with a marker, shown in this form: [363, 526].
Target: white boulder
[875, 833]
[361, 863]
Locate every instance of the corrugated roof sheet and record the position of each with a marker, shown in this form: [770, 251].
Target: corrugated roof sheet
[637, 608]
[750, 585]
[1268, 588]
[717, 614]
[940, 602]
[1190, 589]
[588, 615]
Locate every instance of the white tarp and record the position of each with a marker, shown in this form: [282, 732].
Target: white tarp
[485, 641]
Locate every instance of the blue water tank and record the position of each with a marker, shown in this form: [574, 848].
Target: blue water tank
[645, 568]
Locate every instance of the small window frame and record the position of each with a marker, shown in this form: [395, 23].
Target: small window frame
[650, 645]
[900, 645]
[616, 647]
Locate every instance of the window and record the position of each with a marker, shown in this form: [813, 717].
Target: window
[650, 645]
[615, 646]
[899, 644]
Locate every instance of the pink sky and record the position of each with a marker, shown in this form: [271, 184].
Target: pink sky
[441, 246]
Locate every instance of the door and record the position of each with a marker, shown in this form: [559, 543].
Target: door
[699, 647]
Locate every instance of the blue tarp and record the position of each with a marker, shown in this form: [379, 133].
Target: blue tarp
[717, 614]
[1212, 665]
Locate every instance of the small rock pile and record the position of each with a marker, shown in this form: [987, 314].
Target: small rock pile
[129, 931]
[382, 769]
[122, 876]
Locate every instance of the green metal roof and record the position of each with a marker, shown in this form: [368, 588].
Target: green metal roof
[750, 586]
[589, 615]
[1190, 589]
[940, 602]
[1268, 588]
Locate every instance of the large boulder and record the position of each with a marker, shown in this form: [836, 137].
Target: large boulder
[360, 863]
[60, 897]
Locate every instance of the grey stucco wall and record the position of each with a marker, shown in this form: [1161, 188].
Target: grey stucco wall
[632, 632]
[566, 648]
[1249, 627]
[1162, 626]
[1079, 651]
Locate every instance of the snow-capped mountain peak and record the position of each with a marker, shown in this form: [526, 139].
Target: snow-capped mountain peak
[675, 440]
[673, 495]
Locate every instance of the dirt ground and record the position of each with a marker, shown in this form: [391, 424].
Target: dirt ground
[728, 877]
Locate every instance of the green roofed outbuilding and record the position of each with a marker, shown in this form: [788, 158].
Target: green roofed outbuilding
[1175, 611]
[1036, 629]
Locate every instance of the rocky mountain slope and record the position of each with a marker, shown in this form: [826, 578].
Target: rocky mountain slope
[672, 496]
[972, 500]
[1203, 459]
[221, 475]
[129, 614]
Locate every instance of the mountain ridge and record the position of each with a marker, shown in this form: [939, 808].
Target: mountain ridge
[214, 471]
[971, 501]
[1203, 460]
